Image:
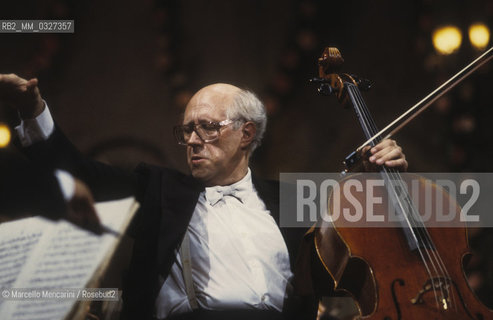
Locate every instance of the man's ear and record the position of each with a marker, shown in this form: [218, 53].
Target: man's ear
[249, 131]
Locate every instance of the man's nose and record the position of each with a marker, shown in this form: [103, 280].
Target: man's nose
[194, 139]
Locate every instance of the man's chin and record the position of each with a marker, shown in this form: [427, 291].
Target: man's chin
[199, 174]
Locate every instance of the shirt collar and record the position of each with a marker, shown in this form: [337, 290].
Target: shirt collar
[239, 190]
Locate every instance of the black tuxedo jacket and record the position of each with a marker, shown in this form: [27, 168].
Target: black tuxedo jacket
[167, 199]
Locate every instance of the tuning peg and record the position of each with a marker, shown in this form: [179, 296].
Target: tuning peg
[325, 89]
[318, 80]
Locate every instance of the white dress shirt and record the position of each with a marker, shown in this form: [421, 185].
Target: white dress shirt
[238, 255]
[37, 129]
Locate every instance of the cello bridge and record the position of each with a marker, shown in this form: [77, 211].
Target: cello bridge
[440, 285]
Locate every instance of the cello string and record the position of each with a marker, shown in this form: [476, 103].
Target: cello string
[422, 232]
[426, 256]
[371, 122]
[394, 173]
[425, 235]
[364, 113]
[367, 121]
[419, 230]
[434, 252]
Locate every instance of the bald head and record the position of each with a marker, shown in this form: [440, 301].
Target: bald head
[218, 95]
[219, 88]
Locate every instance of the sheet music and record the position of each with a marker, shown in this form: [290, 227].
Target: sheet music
[66, 257]
[18, 238]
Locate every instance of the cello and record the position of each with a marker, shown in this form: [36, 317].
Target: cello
[407, 271]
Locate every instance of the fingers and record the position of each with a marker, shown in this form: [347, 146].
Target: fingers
[388, 153]
[81, 209]
[384, 151]
[400, 164]
[21, 94]
[84, 216]
[32, 85]
[13, 81]
[365, 149]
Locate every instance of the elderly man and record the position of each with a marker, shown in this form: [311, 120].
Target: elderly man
[207, 246]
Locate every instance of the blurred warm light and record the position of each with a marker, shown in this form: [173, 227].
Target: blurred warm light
[4, 136]
[447, 39]
[464, 124]
[479, 35]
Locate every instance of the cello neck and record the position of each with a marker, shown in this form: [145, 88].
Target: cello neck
[364, 117]
[411, 223]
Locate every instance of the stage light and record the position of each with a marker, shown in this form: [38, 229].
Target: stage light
[479, 35]
[4, 136]
[447, 39]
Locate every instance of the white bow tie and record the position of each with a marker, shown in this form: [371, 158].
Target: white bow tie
[215, 194]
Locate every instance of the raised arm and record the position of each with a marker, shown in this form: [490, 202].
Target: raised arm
[47, 146]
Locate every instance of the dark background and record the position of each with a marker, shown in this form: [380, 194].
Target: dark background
[120, 82]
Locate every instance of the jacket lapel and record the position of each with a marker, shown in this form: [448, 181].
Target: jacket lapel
[268, 191]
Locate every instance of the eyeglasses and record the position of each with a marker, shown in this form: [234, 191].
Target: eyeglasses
[208, 131]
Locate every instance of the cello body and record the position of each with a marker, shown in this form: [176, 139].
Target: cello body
[387, 280]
